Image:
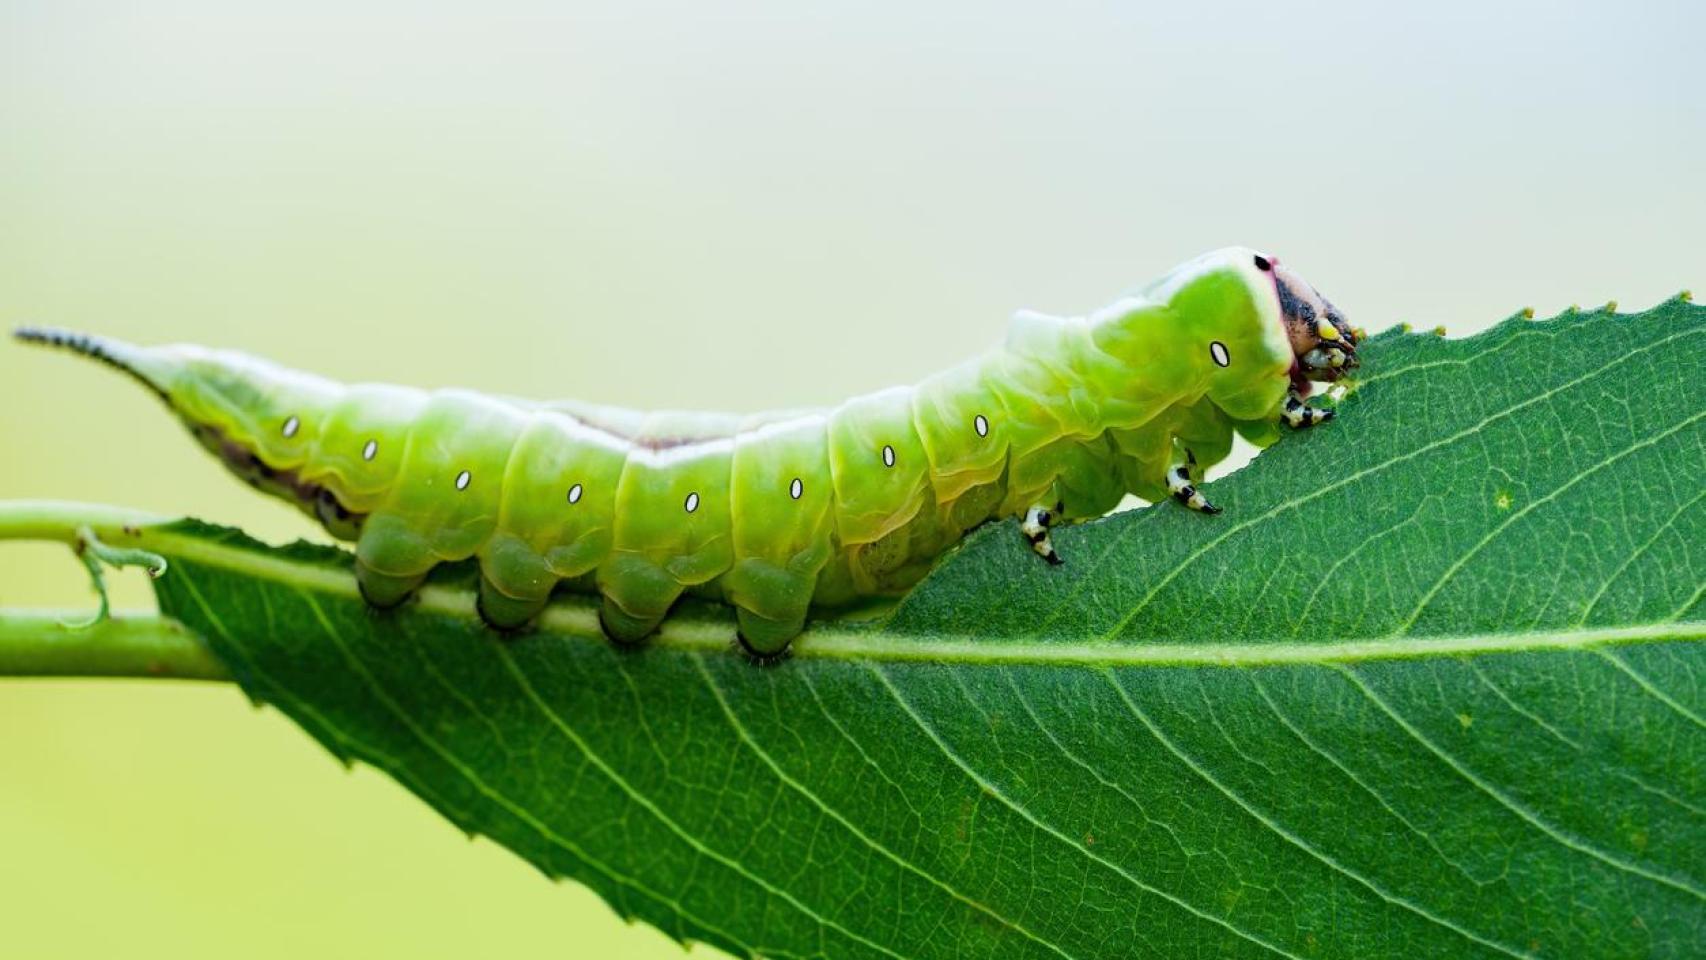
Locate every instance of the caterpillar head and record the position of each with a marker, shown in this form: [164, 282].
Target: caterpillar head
[1324, 343]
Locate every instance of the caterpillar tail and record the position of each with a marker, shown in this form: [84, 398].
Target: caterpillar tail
[261, 421]
[149, 367]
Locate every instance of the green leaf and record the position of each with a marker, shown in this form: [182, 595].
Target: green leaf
[1431, 687]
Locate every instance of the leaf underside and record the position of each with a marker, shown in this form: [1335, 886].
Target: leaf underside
[1431, 686]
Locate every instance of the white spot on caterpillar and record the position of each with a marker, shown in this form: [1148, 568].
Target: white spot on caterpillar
[692, 502]
[462, 480]
[575, 493]
[796, 488]
[981, 425]
[291, 426]
[371, 450]
[888, 455]
[1217, 350]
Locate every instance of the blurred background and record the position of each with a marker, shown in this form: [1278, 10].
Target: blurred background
[662, 205]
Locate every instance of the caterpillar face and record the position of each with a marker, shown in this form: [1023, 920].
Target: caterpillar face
[1324, 343]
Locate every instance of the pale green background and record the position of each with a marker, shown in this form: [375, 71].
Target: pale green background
[651, 205]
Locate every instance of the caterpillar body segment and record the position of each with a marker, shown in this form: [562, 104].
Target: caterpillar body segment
[776, 513]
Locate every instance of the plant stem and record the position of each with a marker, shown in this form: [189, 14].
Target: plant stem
[59, 520]
[39, 644]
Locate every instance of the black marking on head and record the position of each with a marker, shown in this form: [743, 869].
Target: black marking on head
[1263, 263]
[981, 425]
[1217, 351]
[692, 503]
[797, 488]
[463, 479]
[888, 455]
[575, 493]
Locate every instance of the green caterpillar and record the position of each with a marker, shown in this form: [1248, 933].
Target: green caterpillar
[776, 512]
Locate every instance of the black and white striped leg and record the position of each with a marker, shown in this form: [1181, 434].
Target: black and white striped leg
[1035, 527]
[1298, 414]
[1183, 490]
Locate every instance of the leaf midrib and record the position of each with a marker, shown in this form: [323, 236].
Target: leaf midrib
[579, 619]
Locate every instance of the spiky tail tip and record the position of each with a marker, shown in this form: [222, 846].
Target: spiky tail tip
[117, 354]
[65, 339]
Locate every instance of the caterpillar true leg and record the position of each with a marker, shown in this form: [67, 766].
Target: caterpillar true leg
[1183, 490]
[1035, 527]
[1298, 414]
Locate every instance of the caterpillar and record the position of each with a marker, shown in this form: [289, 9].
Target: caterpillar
[775, 513]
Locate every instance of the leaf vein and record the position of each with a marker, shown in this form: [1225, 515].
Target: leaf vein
[763, 755]
[1289, 837]
[1297, 732]
[1493, 534]
[1652, 690]
[1685, 885]
[650, 806]
[995, 791]
[515, 809]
